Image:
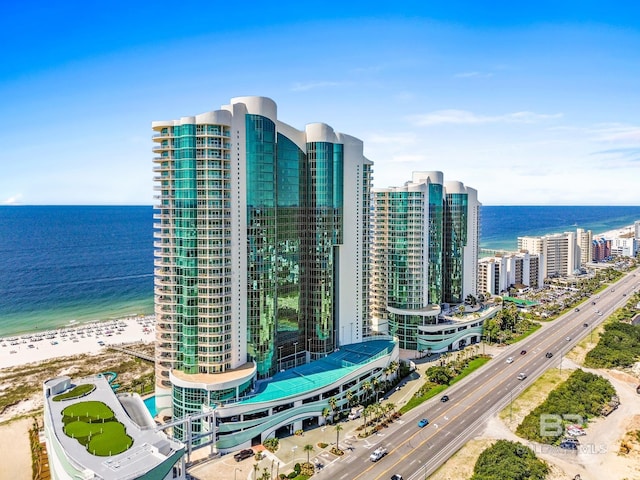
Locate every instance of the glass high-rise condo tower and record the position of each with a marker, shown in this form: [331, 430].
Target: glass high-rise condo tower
[424, 255]
[261, 250]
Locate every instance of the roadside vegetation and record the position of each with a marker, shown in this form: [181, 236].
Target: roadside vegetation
[619, 347]
[509, 325]
[583, 394]
[507, 460]
[619, 344]
[453, 368]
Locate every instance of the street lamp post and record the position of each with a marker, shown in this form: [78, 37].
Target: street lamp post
[280, 358]
[235, 470]
[295, 354]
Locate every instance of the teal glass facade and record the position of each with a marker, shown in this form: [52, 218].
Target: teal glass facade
[418, 260]
[455, 239]
[261, 241]
[186, 238]
[435, 242]
[294, 222]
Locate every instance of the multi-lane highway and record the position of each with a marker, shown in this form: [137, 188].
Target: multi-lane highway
[415, 452]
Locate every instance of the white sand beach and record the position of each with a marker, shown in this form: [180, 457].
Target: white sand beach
[78, 339]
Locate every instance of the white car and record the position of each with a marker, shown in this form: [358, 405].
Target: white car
[510, 360]
[377, 454]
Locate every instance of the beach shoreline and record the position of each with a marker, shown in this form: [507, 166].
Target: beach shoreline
[76, 339]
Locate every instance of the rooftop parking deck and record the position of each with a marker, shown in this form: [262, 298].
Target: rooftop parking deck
[320, 373]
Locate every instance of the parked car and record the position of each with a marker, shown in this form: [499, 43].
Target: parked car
[377, 454]
[569, 445]
[242, 454]
[355, 413]
[423, 423]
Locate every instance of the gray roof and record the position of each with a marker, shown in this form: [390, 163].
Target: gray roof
[150, 449]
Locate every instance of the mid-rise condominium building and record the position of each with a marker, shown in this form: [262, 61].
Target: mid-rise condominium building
[497, 274]
[424, 256]
[262, 265]
[560, 253]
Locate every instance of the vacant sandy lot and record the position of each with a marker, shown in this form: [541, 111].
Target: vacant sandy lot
[599, 457]
[14, 445]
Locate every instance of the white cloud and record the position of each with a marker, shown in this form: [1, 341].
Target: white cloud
[617, 133]
[464, 117]
[13, 200]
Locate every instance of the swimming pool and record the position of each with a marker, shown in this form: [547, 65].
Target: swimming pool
[150, 403]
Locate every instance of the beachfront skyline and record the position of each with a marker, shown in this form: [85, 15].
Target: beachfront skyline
[530, 107]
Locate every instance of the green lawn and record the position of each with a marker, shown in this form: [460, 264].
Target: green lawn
[76, 392]
[93, 425]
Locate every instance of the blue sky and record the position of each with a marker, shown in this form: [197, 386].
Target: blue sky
[533, 105]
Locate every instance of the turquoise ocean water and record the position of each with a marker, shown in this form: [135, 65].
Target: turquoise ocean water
[67, 265]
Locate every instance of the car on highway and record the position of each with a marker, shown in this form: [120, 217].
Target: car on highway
[444, 398]
[600, 314]
[585, 324]
[377, 454]
[549, 355]
[577, 309]
[568, 339]
[395, 476]
[423, 422]
[523, 352]
[522, 376]
[242, 454]
[510, 360]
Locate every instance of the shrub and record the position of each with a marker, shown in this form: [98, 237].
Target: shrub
[271, 444]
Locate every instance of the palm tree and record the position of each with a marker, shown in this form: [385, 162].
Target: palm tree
[349, 397]
[366, 386]
[338, 430]
[333, 403]
[308, 448]
[390, 407]
[376, 386]
[368, 410]
[325, 414]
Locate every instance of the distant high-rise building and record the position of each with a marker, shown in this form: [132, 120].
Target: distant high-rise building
[424, 253]
[497, 274]
[262, 250]
[559, 252]
[584, 238]
[601, 249]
